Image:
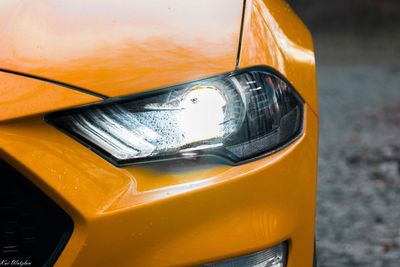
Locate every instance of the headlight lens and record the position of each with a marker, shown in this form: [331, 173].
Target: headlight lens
[234, 117]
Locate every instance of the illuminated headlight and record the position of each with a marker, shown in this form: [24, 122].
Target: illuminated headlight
[234, 117]
[273, 257]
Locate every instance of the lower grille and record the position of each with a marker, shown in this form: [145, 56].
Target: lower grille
[32, 228]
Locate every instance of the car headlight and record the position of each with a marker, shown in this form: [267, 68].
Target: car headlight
[235, 117]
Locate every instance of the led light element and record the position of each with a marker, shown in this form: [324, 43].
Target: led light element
[273, 257]
[234, 117]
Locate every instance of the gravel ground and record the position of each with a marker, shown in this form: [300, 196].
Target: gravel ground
[358, 208]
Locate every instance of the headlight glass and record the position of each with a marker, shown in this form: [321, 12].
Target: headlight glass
[234, 117]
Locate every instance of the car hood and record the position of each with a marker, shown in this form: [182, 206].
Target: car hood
[119, 47]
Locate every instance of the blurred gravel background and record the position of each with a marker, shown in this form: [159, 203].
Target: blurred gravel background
[358, 68]
[358, 208]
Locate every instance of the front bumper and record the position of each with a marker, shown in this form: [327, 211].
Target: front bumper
[170, 215]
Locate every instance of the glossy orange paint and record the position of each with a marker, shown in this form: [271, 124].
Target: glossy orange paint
[274, 36]
[169, 214]
[23, 96]
[122, 219]
[120, 47]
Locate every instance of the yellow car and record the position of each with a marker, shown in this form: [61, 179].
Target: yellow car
[156, 133]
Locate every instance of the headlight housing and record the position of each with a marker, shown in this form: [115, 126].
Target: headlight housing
[232, 117]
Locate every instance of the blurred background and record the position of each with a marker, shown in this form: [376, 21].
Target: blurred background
[358, 67]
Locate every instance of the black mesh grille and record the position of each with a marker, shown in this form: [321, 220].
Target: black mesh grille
[32, 227]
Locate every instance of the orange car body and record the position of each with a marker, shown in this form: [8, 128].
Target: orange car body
[62, 54]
